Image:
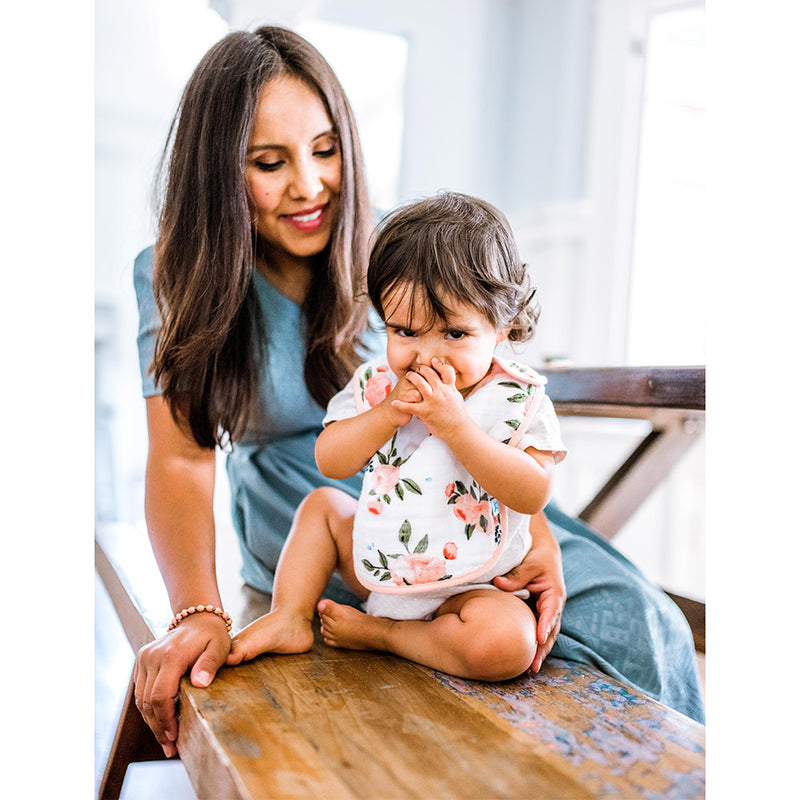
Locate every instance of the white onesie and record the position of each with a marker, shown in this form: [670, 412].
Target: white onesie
[424, 529]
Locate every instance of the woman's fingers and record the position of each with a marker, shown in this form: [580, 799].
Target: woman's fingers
[549, 605]
[203, 646]
[543, 648]
[156, 686]
[211, 659]
[162, 704]
[540, 573]
[520, 577]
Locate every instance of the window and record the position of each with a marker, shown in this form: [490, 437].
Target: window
[666, 317]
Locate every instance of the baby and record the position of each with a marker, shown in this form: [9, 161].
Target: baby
[459, 447]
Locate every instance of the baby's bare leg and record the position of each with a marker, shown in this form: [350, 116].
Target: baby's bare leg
[319, 543]
[481, 634]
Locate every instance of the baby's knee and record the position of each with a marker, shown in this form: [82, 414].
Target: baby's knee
[324, 497]
[506, 646]
[327, 502]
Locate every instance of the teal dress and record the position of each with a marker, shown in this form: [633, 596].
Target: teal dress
[614, 618]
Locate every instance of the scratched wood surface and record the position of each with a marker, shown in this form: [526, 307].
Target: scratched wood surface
[342, 724]
[339, 724]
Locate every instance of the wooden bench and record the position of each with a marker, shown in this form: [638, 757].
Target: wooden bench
[344, 724]
[673, 401]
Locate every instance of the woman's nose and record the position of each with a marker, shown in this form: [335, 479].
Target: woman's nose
[306, 181]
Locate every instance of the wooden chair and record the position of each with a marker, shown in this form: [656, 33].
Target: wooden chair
[344, 724]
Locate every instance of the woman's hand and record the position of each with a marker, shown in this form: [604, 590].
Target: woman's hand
[200, 643]
[540, 572]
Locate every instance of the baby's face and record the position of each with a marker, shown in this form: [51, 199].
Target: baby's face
[466, 341]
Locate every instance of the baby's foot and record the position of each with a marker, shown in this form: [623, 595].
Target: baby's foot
[276, 632]
[345, 626]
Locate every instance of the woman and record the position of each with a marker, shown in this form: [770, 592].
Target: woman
[248, 325]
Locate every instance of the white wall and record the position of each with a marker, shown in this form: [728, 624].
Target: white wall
[145, 51]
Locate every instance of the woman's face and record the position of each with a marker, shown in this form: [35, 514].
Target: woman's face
[294, 169]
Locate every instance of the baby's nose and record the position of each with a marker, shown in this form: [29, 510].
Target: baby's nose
[424, 356]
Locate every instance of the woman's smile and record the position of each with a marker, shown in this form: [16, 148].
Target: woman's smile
[308, 220]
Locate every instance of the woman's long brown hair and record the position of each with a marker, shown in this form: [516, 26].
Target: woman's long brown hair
[211, 346]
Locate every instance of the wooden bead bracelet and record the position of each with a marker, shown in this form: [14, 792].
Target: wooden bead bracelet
[181, 615]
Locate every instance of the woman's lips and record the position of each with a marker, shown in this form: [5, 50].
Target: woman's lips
[308, 219]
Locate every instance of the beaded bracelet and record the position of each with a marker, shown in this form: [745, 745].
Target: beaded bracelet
[181, 615]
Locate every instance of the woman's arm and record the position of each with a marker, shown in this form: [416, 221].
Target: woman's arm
[540, 572]
[179, 490]
[179, 511]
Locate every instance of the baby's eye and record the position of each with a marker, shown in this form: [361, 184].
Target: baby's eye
[405, 333]
[456, 334]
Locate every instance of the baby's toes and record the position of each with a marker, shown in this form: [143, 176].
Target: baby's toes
[235, 656]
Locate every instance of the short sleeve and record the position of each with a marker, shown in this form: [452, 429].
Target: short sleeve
[343, 404]
[544, 432]
[149, 318]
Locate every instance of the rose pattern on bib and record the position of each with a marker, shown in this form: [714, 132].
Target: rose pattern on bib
[411, 567]
[375, 386]
[475, 508]
[383, 478]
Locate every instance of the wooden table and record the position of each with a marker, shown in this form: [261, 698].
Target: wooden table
[343, 724]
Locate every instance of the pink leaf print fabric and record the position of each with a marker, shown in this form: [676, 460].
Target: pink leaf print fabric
[473, 507]
[384, 478]
[469, 510]
[377, 388]
[417, 568]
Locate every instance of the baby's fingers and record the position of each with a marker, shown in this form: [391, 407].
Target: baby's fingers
[445, 371]
[418, 381]
[406, 409]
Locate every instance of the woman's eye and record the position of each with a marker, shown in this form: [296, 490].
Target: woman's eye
[329, 153]
[268, 166]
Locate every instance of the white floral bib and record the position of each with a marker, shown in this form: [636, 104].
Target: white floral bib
[422, 521]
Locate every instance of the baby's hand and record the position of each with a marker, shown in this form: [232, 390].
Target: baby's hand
[441, 406]
[405, 392]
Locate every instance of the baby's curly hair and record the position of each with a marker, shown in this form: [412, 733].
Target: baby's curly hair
[454, 246]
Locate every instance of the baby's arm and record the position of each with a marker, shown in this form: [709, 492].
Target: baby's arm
[346, 446]
[522, 480]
